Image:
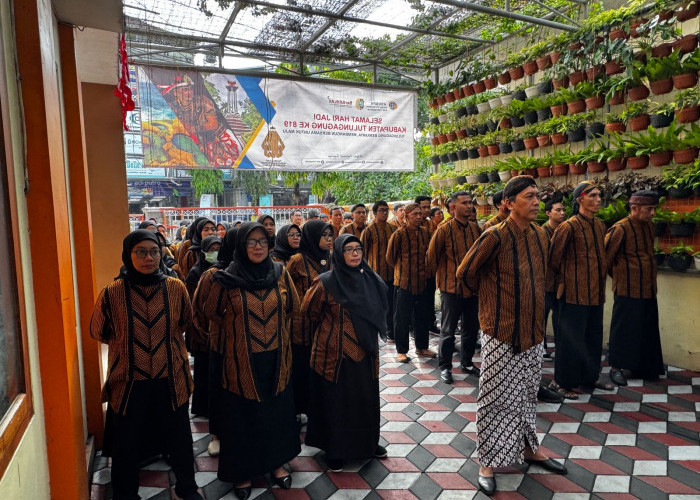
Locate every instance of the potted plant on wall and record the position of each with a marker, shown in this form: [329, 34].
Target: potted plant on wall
[636, 115]
[661, 116]
[654, 144]
[614, 123]
[686, 72]
[686, 104]
[685, 149]
[679, 257]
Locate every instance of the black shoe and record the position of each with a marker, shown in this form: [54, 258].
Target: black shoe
[335, 465]
[471, 370]
[487, 484]
[547, 355]
[550, 465]
[434, 329]
[284, 482]
[548, 396]
[244, 492]
[380, 452]
[618, 377]
[446, 376]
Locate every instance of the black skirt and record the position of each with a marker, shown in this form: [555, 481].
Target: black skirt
[200, 395]
[257, 436]
[344, 417]
[301, 357]
[215, 390]
[635, 342]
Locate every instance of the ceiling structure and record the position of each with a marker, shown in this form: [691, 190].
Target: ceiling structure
[395, 41]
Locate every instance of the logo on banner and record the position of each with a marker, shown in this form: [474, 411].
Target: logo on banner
[360, 103]
[393, 105]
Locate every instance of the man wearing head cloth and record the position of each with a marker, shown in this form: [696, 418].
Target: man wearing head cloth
[506, 266]
[577, 259]
[502, 214]
[635, 343]
[406, 253]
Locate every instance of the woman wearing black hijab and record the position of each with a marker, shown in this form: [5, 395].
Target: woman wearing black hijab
[148, 385]
[268, 222]
[221, 229]
[287, 243]
[348, 304]
[314, 258]
[251, 302]
[205, 227]
[185, 245]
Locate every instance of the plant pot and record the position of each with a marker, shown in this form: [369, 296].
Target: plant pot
[490, 83]
[435, 160]
[519, 95]
[473, 153]
[449, 97]
[576, 77]
[660, 159]
[577, 135]
[433, 103]
[531, 143]
[530, 67]
[435, 141]
[483, 152]
[561, 84]
[506, 99]
[472, 109]
[517, 121]
[575, 46]
[560, 169]
[504, 176]
[660, 258]
[495, 102]
[434, 120]
[616, 164]
[492, 125]
[618, 127]
[544, 114]
[576, 107]
[662, 50]
[688, 115]
[686, 44]
[613, 68]
[505, 148]
[483, 107]
[440, 100]
[685, 81]
[543, 172]
[462, 155]
[678, 193]
[638, 93]
[685, 156]
[530, 117]
[517, 145]
[595, 102]
[638, 162]
[444, 182]
[516, 73]
[451, 136]
[461, 133]
[505, 123]
[531, 172]
[461, 179]
[559, 138]
[514, 173]
[682, 229]
[493, 176]
[442, 118]
[442, 138]
[558, 110]
[638, 123]
[660, 87]
[471, 179]
[544, 140]
[482, 178]
[479, 87]
[679, 263]
[533, 91]
[634, 28]
[453, 156]
[482, 201]
[494, 149]
[577, 168]
[468, 90]
[595, 167]
[546, 87]
[460, 112]
[555, 56]
[618, 33]
[544, 62]
[482, 128]
[504, 78]
[688, 11]
[661, 120]
[594, 71]
[594, 130]
[444, 158]
[660, 229]
[617, 98]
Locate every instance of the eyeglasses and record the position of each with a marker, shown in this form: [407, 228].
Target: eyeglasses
[327, 234]
[353, 250]
[383, 210]
[263, 242]
[141, 253]
[294, 235]
[359, 212]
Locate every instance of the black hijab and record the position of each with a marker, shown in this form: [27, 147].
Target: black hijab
[310, 236]
[242, 273]
[272, 238]
[226, 225]
[197, 236]
[283, 251]
[193, 227]
[128, 271]
[361, 291]
[201, 266]
[228, 247]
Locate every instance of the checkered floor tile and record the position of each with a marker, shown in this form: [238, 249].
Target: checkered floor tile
[640, 441]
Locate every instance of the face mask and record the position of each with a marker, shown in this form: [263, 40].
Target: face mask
[211, 257]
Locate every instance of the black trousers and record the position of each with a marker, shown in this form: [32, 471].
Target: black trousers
[551, 303]
[579, 345]
[406, 304]
[432, 319]
[150, 408]
[453, 307]
[390, 310]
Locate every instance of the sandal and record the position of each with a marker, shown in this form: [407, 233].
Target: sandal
[566, 394]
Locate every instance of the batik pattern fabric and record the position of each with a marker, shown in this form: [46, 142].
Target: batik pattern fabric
[493, 221]
[353, 229]
[407, 254]
[506, 413]
[629, 246]
[375, 240]
[447, 249]
[303, 271]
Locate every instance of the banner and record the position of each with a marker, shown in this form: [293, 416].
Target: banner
[199, 120]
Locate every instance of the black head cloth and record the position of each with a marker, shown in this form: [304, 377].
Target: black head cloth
[225, 225]
[310, 236]
[242, 273]
[282, 249]
[197, 236]
[193, 227]
[146, 224]
[272, 238]
[360, 290]
[584, 187]
[202, 265]
[228, 247]
[128, 271]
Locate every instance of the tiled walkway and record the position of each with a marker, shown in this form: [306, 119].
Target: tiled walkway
[641, 441]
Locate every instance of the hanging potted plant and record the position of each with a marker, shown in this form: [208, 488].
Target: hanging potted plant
[661, 116]
[680, 180]
[577, 165]
[574, 127]
[594, 127]
[557, 103]
[659, 71]
[559, 159]
[637, 116]
[518, 144]
[617, 88]
[614, 123]
[686, 104]
[654, 144]
[680, 257]
[590, 156]
[505, 137]
[687, 12]
[685, 44]
[661, 219]
[686, 74]
[685, 149]
[530, 136]
[592, 94]
[659, 255]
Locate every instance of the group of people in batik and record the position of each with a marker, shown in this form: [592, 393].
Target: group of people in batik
[284, 326]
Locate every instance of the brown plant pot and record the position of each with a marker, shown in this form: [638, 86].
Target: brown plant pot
[516, 73]
[451, 136]
[577, 169]
[561, 84]
[613, 68]
[483, 151]
[555, 56]
[663, 86]
[576, 107]
[532, 172]
[450, 97]
[442, 138]
[662, 50]
[638, 162]
[688, 115]
[544, 140]
[543, 172]
[490, 83]
[493, 149]
[618, 127]
[440, 100]
[595, 167]
[544, 62]
[530, 67]
[686, 44]
[561, 169]
[459, 93]
[558, 110]
[685, 81]
[435, 141]
[594, 71]
[576, 46]
[618, 33]
[504, 78]
[479, 87]
[685, 156]
[665, 15]
[505, 123]
[660, 159]
[514, 173]
[576, 77]
[616, 164]
[468, 90]
[559, 138]
[531, 143]
[461, 133]
[688, 11]
[595, 102]
[638, 123]
[638, 93]
[617, 98]
[634, 27]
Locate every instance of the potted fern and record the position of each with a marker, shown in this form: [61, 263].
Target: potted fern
[679, 257]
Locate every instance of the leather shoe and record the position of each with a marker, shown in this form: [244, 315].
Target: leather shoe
[548, 396]
[549, 464]
[284, 482]
[487, 484]
[402, 358]
[618, 377]
[446, 376]
[471, 370]
[244, 492]
[425, 353]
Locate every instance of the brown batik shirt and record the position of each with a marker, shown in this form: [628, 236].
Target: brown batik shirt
[407, 254]
[629, 247]
[375, 240]
[447, 249]
[303, 271]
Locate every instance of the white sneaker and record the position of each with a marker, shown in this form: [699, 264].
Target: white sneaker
[214, 447]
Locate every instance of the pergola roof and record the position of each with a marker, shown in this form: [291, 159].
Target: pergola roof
[399, 39]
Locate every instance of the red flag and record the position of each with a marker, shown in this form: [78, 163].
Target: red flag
[123, 90]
